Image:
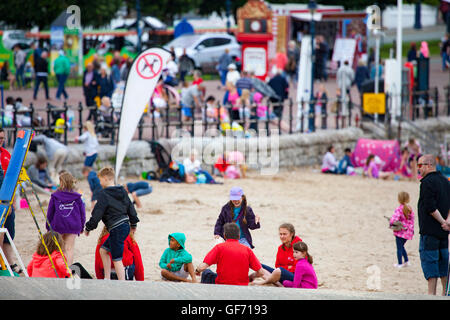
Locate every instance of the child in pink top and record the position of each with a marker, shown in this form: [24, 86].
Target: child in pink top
[304, 276]
[405, 215]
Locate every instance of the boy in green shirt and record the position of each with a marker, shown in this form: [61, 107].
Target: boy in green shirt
[176, 262]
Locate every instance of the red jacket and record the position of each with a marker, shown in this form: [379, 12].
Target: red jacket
[41, 267]
[131, 254]
[285, 256]
[5, 157]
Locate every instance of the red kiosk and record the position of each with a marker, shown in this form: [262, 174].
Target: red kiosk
[254, 32]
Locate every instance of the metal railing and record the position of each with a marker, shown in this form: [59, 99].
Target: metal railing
[299, 117]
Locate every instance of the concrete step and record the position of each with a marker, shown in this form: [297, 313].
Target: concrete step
[67, 289]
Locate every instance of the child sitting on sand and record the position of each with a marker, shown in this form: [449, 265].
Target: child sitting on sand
[304, 276]
[405, 215]
[176, 262]
[117, 212]
[40, 266]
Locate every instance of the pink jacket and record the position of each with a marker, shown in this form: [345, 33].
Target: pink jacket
[304, 276]
[407, 223]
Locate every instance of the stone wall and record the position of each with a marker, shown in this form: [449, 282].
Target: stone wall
[274, 151]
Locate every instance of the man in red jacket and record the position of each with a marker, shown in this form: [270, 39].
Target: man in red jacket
[232, 258]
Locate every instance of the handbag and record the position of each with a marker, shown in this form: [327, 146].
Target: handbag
[396, 226]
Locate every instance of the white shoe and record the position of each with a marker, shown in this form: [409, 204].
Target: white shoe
[398, 266]
[407, 264]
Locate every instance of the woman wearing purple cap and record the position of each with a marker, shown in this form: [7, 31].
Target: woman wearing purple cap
[237, 211]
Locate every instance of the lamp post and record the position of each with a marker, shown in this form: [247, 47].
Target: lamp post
[138, 27]
[228, 11]
[312, 6]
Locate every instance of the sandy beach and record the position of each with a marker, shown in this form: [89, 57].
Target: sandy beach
[341, 218]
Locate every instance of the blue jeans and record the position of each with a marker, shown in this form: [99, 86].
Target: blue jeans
[115, 241]
[141, 188]
[208, 277]
[223, 76]
[20, 76]
[401, 252]
[61, 82]
[38, 81]
[244, 242]
[445, 59]
[433, 256]
[90, 160]
[285, 274]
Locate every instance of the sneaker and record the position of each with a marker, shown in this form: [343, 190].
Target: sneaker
[398, 266]
[407, 264]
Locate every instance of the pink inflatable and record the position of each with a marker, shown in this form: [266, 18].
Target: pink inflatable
[387, 150]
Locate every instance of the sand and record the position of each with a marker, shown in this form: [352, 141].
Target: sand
[341, 218]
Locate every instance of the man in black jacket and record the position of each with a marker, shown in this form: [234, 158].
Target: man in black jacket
[41, 70]
[433, 209]
[90, 89]
[117, 212]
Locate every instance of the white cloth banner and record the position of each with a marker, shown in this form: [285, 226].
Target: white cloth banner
[141, 82]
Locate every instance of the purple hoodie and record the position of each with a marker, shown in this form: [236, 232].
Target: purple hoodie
[66, 212]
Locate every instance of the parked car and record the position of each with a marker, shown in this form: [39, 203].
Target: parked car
[12, 37]
[205, 49]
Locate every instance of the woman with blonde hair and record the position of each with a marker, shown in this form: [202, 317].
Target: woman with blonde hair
[89, 138]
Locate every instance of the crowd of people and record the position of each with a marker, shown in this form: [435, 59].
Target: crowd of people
[373, 165]
[117, 254]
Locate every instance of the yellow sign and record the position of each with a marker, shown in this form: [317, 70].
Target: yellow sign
[374, 103]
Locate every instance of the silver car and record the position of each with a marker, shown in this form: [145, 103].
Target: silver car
[13, 37]
[205, 49]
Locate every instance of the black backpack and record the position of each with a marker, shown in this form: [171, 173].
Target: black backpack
[162, 157]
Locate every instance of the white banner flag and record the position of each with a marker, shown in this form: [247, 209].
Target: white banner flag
[141, 82]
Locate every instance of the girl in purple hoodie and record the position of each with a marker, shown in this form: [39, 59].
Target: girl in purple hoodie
[66, 213]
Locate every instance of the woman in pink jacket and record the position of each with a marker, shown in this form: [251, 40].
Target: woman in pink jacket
[405, 215]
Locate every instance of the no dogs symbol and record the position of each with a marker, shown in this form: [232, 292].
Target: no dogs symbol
[149, 65]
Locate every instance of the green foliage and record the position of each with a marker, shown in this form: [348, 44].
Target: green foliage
[26, 14]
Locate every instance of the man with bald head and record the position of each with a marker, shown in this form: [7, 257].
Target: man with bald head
[434, 222]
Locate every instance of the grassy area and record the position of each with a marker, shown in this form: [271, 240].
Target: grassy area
[433, 46]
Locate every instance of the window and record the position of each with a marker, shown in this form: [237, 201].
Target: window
[221, 41]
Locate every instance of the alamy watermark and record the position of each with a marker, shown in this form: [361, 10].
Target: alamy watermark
[74, 283]
[374, 280]
[74, 20]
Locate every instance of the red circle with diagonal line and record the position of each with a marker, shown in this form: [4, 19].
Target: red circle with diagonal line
[146, 68]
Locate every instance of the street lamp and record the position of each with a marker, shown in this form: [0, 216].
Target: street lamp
[312, 6]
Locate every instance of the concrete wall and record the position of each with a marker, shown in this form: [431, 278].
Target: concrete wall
[270, 152]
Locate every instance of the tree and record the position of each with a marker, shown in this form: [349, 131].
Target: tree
[26, 14]
[165, 10]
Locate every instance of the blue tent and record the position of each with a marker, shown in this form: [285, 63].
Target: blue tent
[183, 27]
